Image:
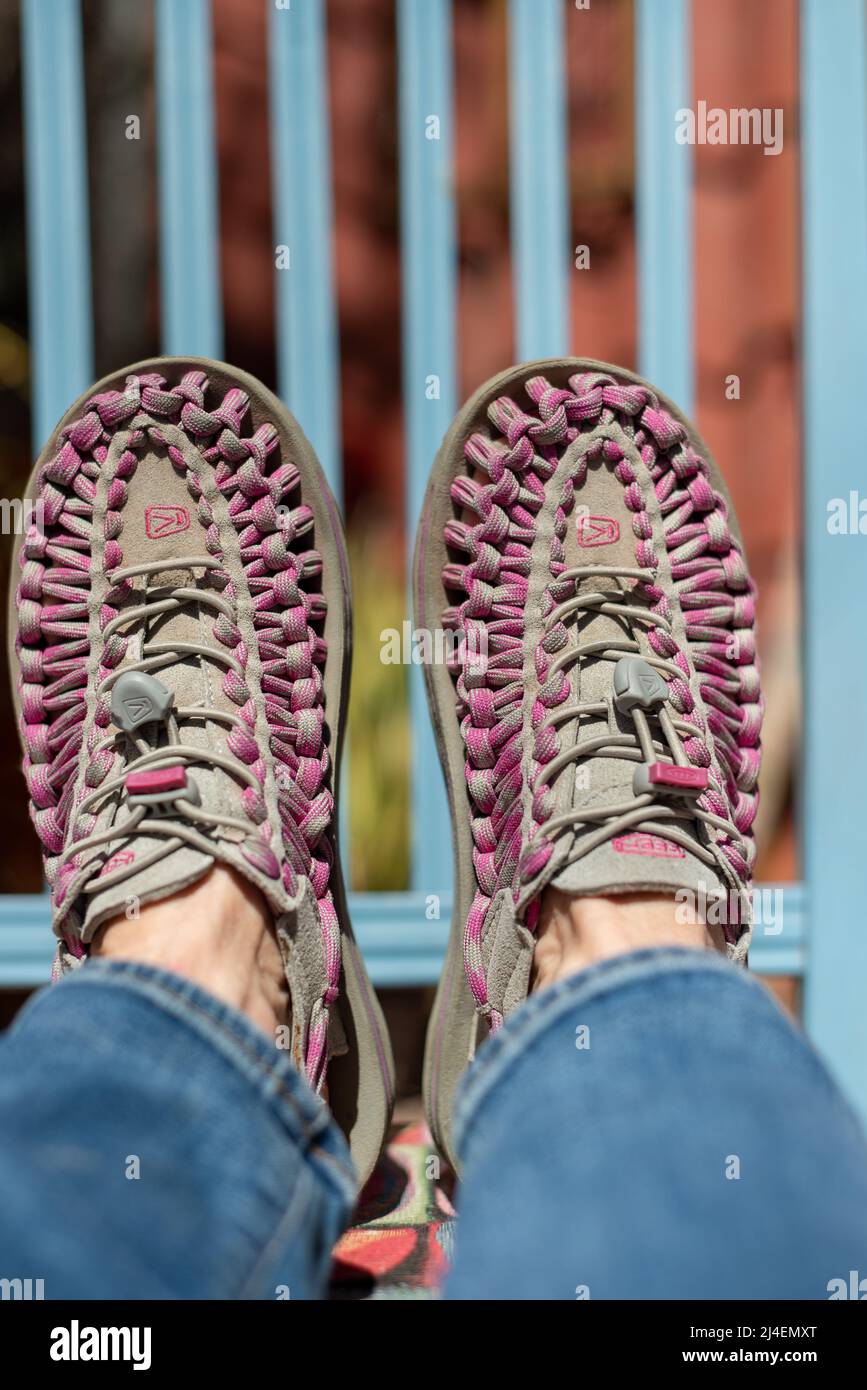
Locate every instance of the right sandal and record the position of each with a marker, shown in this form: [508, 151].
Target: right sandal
[599, 731]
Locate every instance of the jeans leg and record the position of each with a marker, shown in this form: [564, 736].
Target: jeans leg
[155, 1144]
[655, 1127]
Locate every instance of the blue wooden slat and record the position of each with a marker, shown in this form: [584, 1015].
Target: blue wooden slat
[307, 356]
[58, 230]
[429, 288]
[400, 945]
[189, 234]
[539, 177]
[834, 188]
[663, 204]
[308, 370]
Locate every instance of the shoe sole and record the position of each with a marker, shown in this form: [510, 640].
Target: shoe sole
[361, 1083]
[454, 1029]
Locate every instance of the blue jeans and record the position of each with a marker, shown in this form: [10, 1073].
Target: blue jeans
[652, 1128]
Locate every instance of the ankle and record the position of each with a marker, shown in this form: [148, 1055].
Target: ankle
[219, 933]
[574, 933]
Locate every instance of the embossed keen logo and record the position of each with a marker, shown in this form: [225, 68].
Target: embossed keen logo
[639, 842]
[138, 708]
[166, 521]
[597, 530]
[117, 861]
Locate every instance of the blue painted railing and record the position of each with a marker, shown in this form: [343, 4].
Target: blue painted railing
[834, 184]
[401, 944]
[58, 260]
[307, 357]
[538, 178]
[429, 264]
[192, 316]
[663, 199]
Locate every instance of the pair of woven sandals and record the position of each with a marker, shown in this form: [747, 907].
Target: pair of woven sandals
[180, 632]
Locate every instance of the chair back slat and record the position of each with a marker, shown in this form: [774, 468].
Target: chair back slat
[429, 282]
[58, 220]
[834, 195]
[663, 195]
[191, 302]
[539, 177]
[307, 353]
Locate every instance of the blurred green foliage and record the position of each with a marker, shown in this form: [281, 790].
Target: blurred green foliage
[379, 740]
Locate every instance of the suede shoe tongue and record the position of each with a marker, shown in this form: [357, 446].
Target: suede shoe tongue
[192, 679]
[172, 872]
[639, 859]
[191, 683]
[143, 867]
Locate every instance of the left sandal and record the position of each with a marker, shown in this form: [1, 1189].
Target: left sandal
[180, 630]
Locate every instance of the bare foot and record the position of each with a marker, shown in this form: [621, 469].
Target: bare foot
[576, 932]
[220, 934]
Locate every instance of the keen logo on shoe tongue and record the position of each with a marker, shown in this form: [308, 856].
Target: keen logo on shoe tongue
[653, 845]
[596, 530]
[117, 861]
[165, 521]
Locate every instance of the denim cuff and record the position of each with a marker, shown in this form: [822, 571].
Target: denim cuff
[304, 1118]
[543, 1012]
